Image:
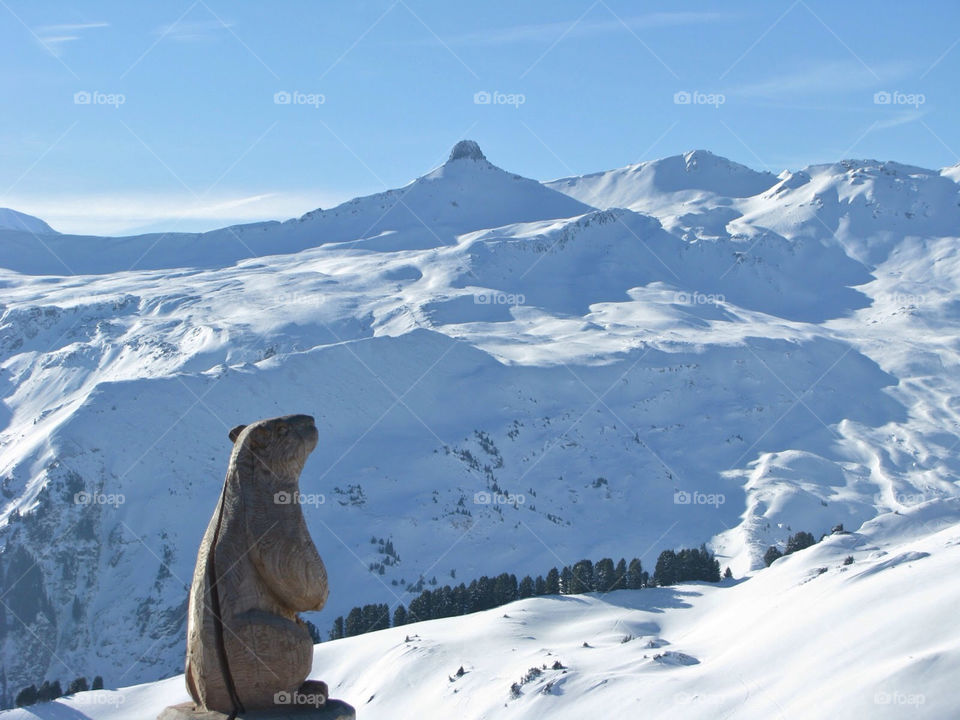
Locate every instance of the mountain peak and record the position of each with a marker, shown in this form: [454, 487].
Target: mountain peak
[466, 149]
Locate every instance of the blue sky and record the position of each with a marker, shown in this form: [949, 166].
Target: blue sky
[121, 116]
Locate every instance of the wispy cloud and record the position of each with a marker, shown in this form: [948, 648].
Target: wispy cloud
[55, 37]
[547, 32]
[821, 78]
[192, 31]
[136, 212]
[903, 118]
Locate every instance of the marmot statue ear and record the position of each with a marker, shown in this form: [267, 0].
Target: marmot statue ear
[235, 433]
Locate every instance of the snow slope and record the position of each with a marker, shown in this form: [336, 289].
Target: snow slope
[810, 637]
[788, 344]
[13, 220]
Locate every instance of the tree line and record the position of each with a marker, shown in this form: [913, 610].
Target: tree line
[52, 690]
[485, 593]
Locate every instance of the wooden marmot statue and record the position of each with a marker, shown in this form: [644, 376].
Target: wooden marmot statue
[256, 569]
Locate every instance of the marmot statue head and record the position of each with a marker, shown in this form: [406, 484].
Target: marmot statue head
[275, 450]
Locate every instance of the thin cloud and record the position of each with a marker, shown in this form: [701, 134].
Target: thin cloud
[904, 118]
[55, 37]
[131, 213]
[547, 32]
[821, 79]
[192, 31]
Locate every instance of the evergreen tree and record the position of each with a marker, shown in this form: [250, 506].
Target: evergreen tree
[314, 632]
[582, 577]
[604, 575]
[526, 588]
[421, 607]
[336, 632]
[354, 623]
[443, 605]
[77, 685]
[552, 582]
[772, 555]
[800, 541]
[504, 589]
[539, 586]
[666, 571]
[374, 617]
[483, 598]
[400, 616]
[27, 696]
[635, 576]
[49, 691]
[97, 683]
[461, 599]
[727, 575]
[566, 580]
[620, 574]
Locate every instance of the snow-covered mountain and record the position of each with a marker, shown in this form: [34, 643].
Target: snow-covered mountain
[466, 193]
[13, 220]
[593, 352]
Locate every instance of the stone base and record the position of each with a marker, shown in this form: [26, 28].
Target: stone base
[333, 710]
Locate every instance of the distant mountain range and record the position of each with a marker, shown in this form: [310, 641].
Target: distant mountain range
[506, 374]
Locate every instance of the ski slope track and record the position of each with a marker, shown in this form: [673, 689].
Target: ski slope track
[507, 376]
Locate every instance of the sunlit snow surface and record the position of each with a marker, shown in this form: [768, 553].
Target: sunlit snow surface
[779, 350]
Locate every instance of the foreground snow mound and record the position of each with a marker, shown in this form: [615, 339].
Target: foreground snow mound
[815, 636]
